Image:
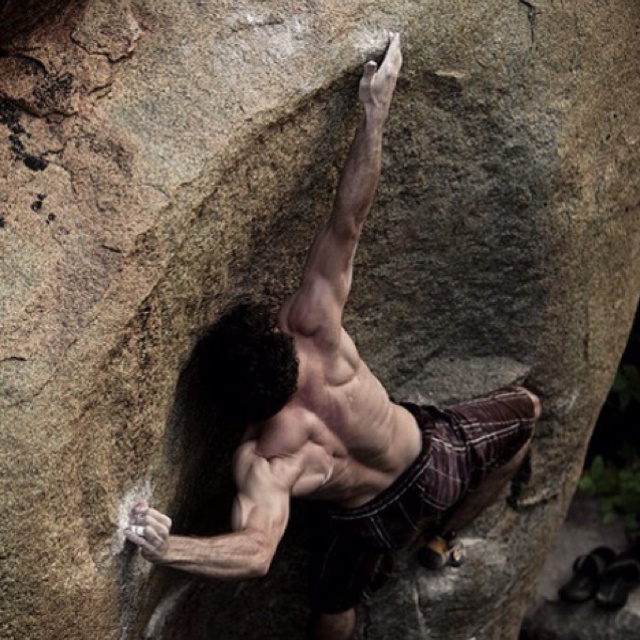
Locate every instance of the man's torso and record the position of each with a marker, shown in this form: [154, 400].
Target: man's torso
[339, 438]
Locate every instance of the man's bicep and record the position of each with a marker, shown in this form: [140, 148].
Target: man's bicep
[262, 502]
[268, 518]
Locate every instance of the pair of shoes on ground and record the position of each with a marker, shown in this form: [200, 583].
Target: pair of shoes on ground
[441, 551]
[603, 575]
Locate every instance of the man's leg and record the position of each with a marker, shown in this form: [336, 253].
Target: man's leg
[496, 432]
[479, 499]
[344, 573]
[333, 626]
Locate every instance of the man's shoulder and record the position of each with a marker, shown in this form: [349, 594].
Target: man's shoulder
[311, 325]
[248, 461]
[283, 435]
[270, 465]
[245, 455]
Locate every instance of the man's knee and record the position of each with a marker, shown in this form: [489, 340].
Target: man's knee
[537, 403]
[333, 626]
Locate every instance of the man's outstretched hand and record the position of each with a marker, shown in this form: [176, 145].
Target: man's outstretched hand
[377, 85]
[148, 529]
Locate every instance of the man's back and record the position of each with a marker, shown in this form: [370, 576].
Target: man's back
[351, 440]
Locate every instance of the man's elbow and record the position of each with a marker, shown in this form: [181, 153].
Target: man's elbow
[346, 230]
[260, 569]
[260, 561]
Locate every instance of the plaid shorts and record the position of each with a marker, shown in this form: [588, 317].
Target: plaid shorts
[462, 443]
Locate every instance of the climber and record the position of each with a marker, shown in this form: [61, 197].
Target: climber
[322, 426]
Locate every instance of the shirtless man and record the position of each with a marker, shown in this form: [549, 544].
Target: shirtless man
[329, 431]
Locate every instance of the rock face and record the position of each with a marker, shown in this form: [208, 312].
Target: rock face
[159, 158]
[18, 16]
[548, 617]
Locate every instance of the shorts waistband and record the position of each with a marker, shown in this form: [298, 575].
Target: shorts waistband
[402, 483]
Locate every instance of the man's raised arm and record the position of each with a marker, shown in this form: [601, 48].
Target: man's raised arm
[361, 171]
[318, 304]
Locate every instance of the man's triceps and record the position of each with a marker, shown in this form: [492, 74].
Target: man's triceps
[326, 281]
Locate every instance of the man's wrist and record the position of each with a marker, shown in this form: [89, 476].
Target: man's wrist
[375, 119]
[161, 555]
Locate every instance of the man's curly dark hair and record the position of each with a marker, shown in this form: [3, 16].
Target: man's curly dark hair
[247, 369]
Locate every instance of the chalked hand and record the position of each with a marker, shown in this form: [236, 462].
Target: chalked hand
[149, 530]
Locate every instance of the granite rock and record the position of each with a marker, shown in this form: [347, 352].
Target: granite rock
[159, 158]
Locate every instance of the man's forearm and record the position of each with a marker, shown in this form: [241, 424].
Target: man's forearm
[360, 176]
[362, 168]
[233, 556]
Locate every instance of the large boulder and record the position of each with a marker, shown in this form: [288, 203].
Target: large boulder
[160, 158]
[20, 16]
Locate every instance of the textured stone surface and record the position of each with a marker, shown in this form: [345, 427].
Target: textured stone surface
[548, 617]
[157, 158]
[19, 16]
